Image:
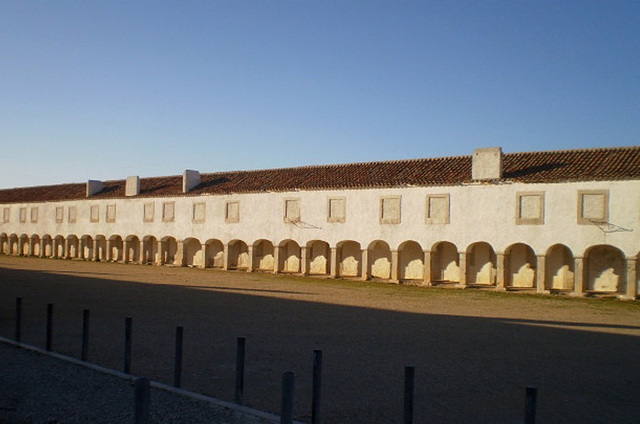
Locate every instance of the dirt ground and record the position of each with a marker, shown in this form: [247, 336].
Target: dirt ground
[474, 352]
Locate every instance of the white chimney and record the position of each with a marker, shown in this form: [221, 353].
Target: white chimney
[93, 187]
[487, 164]
[190, 179]
[133, 186]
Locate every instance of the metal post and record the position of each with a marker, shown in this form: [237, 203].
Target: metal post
[288, 385]
[409, 379]
[317, 386]
[127, 344]
[240, 353]
[142, 400]
[530, 398]
[49, 326]
[85, 334]
[18, 328]
[177, 375]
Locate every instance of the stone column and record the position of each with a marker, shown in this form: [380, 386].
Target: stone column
[632, 279]
[250, 267]
[500, 271]
[364, 268]
[578, 270]
[31, 246]
[96, 254]
[160, 253]
[142, 257]
[67, 249]
[304, 261]
[276, 259]
[541, 274]
[463, 269]
[333, 271]
[203, 256]
[394, 266]
[225, 257]
[181, 259]
[426, 278]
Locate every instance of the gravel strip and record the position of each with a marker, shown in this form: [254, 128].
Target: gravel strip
[36, 388]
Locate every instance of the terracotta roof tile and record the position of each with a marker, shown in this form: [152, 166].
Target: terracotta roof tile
[551, 167]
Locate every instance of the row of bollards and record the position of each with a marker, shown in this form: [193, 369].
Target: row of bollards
[142, 385]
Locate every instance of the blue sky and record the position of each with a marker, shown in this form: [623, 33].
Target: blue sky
[108, 89]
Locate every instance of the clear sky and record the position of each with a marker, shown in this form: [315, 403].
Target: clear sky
[95, 89]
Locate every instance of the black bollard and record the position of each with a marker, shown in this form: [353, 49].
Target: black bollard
[142, 400]
[177, 374]
[128, 323]
[530, 398]
[288, 386]
[49, 325]
[316, 387]
[240, 353]
[85, 335]
[18, 327]
[409, 379]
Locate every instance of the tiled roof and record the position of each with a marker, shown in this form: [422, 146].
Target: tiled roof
[620, 163]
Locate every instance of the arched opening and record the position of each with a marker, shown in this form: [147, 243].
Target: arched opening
[13, 244]
[116, 249]
[445, 263]
[192, 252]
[58, 246]
[410, 262]
[4, 243]
[47, 246]
[132, 249]
[263, 259]
[86, 247]
[379, 255]
[559, 266]
[289, 256]
[169, 250]
[73, 247]
[481, 264]
[149, 249]
[36, 245]
[319, 254]
[214, 254]
[23, 244]
[349, 259]
[605, 269]
[238, 255]
[520, 263]
[101, 248]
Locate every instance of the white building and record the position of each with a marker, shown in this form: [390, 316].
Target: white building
[560, 221]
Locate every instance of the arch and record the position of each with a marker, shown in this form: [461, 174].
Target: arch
[349, 259]
[132, 249]
[169, 250]
[73, 246]
[192, 252]
[559, 266]
[289, 257]
[605, 269]
[116, 249]
[23, 245]
[238, 252]
[263, 255]
[379, 263]
[59, 246]
[521, 265]
[445, 263]
[86, 247]
[4, 244]
[481, 264]
[47, 246]
[13, 244]
[214, 254]
[36, 245]
[410, 261]
[149, 249]
[101, 248]
[319, 256]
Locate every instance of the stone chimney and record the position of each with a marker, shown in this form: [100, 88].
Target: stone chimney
[133, 186]
[487, 164]
[93, 187]
[190, 179]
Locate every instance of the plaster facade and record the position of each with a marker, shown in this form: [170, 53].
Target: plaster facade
[561, 236]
